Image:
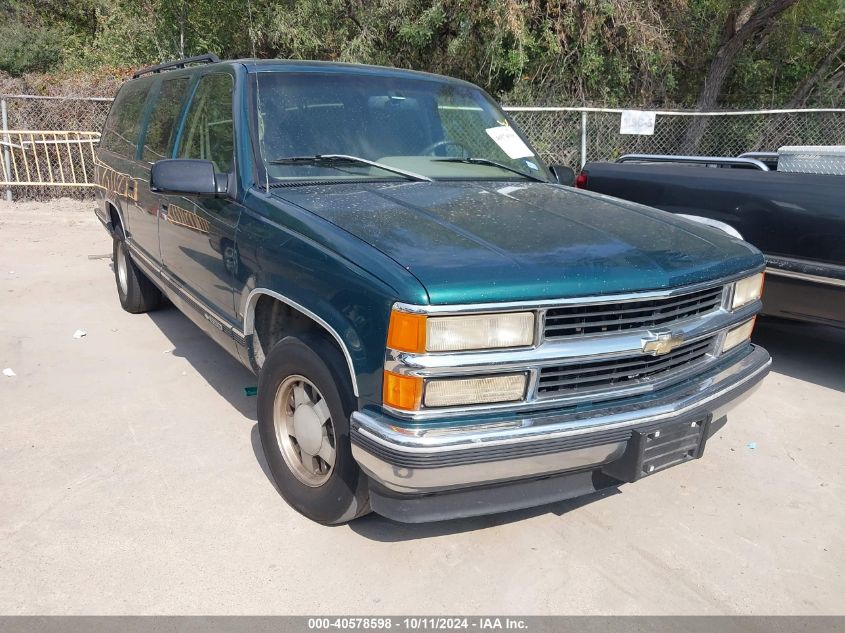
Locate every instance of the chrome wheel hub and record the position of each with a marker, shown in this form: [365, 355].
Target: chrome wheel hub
[122, 274]
[304, 430]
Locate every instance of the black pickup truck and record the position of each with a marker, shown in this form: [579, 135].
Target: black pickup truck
[797, 219]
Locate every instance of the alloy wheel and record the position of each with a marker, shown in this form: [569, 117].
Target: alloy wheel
[304, 430]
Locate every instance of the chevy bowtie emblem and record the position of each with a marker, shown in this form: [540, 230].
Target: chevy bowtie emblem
[661, 342]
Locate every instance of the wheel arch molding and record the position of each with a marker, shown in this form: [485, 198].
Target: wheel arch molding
[249, 325]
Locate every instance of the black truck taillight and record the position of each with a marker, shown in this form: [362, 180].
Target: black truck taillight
[582, 179]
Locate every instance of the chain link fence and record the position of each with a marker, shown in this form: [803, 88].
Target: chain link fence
[568, 136]
[78, 114]
[576, 135]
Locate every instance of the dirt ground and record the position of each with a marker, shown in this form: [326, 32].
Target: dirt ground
[131, 481]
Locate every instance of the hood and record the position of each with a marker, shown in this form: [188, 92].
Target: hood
[470, 242]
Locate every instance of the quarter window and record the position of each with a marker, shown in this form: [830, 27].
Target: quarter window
[208, 133]
[162, 125]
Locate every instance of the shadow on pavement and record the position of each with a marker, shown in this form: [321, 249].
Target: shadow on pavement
[255, 440]
[814, 353]
[378, 528]
[225, 374]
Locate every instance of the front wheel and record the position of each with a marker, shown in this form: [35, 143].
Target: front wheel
[304, 404]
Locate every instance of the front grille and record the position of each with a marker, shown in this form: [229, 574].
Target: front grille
[588, 376]
[629, 315]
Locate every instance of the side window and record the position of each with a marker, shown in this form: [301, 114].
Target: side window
[208, 133]
[120, 134]
[162, 126]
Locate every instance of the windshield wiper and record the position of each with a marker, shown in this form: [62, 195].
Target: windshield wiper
[333, 160]
[490, 163]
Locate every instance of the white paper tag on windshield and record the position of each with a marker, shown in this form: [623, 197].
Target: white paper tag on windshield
[637, 122]
[509, 141]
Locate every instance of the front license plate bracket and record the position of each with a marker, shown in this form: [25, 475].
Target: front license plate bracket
[654, 449]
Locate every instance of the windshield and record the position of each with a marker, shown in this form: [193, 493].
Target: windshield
[410, 125]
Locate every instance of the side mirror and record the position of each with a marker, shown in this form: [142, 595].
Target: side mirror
[187, 176]
[563, 174]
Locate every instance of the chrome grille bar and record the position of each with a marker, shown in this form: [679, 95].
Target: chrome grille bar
[605, 374]
[600, 318]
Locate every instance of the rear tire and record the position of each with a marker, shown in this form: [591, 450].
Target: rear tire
[136, 292]
[304, 404]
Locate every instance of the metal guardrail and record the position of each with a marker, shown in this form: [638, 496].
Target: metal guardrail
[51, 158]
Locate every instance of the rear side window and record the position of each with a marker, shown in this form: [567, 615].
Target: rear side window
[162, 125]
[208, 133]
[120, 134]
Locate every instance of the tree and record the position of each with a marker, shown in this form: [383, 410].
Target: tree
[603, 52]
[753, 19]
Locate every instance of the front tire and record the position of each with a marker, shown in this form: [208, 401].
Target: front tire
[136, 292]
[304, 404]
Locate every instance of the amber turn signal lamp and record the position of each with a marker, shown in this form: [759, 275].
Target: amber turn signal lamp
[406, 332]
[402, 392]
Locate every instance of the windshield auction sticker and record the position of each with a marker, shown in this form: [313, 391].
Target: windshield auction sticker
[509, 141]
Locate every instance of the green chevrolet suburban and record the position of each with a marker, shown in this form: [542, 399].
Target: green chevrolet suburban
[440, 326]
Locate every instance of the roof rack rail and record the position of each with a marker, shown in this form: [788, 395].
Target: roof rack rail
[751, 163]
[769, 158]
[759, 155]
[209, 58]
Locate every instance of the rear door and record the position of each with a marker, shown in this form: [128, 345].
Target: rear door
[197, 233]
[120, 173]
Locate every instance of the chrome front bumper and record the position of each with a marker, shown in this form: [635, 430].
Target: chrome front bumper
[419, 460]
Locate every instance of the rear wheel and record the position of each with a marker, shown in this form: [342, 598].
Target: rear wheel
[304, 404]
[136, 292]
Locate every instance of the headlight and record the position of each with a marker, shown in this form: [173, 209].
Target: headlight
[738, 335]
[419, 333]
[484, 331]
[747, 290]
[447, 393]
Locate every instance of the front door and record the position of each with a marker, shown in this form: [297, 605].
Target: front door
[197, 233]
[162, 122]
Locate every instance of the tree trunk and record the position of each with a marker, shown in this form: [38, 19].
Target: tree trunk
[182, 10]
[752, 20]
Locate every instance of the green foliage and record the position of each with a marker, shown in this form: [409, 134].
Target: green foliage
[608, 52]
[771, 75]
[26, 48]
